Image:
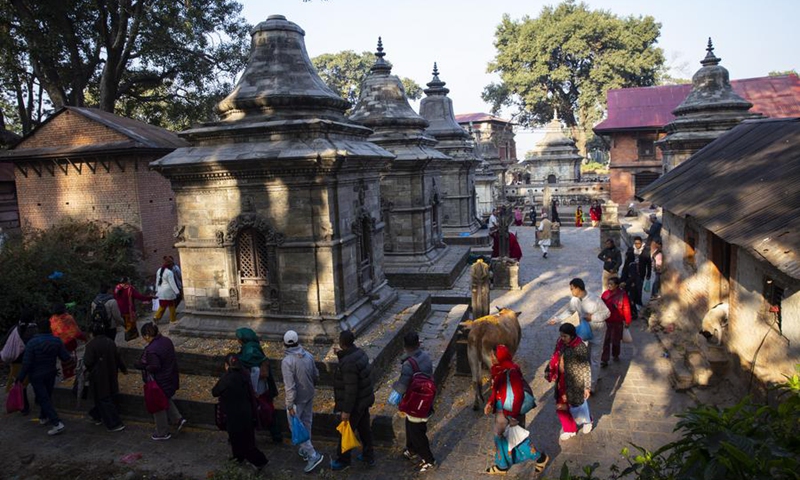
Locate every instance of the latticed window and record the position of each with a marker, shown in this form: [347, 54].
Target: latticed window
[365, 250]
[251, 250]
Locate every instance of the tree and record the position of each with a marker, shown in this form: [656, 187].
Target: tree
[566, 59]
[344, 71]
[779, 73]
[179, 56]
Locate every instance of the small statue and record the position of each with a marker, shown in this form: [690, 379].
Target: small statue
[480, 288]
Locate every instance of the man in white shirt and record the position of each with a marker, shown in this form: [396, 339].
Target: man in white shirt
[494, 223]
[592, 309]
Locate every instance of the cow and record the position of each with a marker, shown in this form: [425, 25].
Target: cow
[485, 334]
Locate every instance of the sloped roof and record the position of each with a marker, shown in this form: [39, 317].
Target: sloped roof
[479, 117]
[647, 108]
[754, 198]
[139, 136]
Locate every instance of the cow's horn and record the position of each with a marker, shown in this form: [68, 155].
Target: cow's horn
[498, 308]
[518, 313]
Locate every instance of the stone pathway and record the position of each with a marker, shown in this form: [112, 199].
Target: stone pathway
[635, 403]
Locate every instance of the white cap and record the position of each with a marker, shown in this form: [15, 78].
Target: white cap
[290, 338]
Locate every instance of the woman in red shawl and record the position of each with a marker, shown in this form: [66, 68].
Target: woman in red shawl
[125, 294]
[569, 369]
[595, 213]
[64, 327]
[510, 400]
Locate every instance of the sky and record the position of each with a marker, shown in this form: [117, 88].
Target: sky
[752, 37]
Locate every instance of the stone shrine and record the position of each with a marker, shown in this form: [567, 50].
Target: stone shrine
[711, 109]
[555, 159]
[459, 207]
[279, 220]
[411, 198]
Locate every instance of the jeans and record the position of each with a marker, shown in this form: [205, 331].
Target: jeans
[359, 421]
[43, 389]
[165, 417]
[596, 349]
[105, 410]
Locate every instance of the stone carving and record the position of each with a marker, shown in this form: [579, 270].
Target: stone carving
[251, 220]
[233, 298]
[179, 233]
[357, 225]
[219, 237]
[480, 288]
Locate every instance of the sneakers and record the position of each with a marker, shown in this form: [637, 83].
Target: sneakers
[566, 436]
[118, 428]
[313, 462]
[369, 461]
[544, 255]
[303, 454]
[181, 424]
[338, 466]
[56, 430]
[587, 428]
[425, 466]
[409, 455]
[157, 437]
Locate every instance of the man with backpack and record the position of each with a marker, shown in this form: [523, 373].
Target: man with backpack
[105, 311]
[415, 391]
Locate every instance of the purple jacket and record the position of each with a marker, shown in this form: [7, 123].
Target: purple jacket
[160, 362]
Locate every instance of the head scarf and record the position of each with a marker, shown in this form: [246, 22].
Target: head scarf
[251, 354]
[504, 362]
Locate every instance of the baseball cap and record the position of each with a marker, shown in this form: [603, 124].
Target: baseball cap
[290, 338]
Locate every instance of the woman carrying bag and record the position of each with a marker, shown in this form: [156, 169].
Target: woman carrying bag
[569, 369]
[159, 367]
[510, 400]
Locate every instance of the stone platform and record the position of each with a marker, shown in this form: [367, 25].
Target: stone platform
[480, 238]
[436, 274]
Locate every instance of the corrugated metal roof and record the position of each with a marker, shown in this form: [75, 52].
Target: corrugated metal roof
[744, 187]
[645, 108]
[479, 117]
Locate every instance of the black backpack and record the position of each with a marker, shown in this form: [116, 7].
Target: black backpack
[99, 314]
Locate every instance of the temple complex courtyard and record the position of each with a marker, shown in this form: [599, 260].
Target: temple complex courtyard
[635, 404]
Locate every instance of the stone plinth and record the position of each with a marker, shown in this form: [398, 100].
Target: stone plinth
[459, 203]
[415, 254]
[278, 202]
[505, 274]
[610, 228]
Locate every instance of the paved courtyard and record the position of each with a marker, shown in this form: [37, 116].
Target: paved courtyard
[634, 404]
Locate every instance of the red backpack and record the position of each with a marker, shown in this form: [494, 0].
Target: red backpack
[420, 394]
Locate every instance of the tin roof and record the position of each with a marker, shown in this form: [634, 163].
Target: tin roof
[649, 108]
[755, 173]
[479, 117]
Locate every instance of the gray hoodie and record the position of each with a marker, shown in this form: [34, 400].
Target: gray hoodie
[299, 375]
[407, 371]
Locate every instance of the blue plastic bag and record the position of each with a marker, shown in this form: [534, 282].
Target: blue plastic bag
[581, 413]
[584, 330]
[299, 432]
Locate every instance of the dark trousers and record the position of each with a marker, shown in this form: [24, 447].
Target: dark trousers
[417, 440]
[105, 409]
[359, 422]
[243, 446]
[43, 389]
[612, 340]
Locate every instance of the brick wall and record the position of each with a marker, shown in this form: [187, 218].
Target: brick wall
[625, 163]
[159, 217]
[70, 129]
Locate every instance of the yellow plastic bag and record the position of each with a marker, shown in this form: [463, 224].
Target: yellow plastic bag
[349, 440]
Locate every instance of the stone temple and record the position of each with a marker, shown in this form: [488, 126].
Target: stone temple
[411, 188]
[555, 159]
[711, 109]
[279, 210]
[459, 207]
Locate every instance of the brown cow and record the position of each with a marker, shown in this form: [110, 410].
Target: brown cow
[485, 334]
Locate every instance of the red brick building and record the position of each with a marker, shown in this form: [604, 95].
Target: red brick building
[93, 165]
[9, 214]
[637, 117]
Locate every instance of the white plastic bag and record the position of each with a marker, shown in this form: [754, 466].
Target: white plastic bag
[515, 435]
[626, 336]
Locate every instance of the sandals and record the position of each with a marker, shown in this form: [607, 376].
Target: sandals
[541, 462]
[495, 470]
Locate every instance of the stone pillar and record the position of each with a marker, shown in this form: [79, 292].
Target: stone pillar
[505, 273]
[480, 288]
[555, 235]
[610, 227]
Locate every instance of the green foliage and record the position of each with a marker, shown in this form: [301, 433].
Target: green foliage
[566, 59]
[748, 441]
[594, 167]
[344, 71]
[778, 73]
[165, 61]
[84, 252]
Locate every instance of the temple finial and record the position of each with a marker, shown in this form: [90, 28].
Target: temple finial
[710, 59]
[380, 53]
[436, 86]
[435, 70]
[381, 65]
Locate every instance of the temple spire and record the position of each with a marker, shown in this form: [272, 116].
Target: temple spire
[436, 86]
[381, 65]
[710, 59]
